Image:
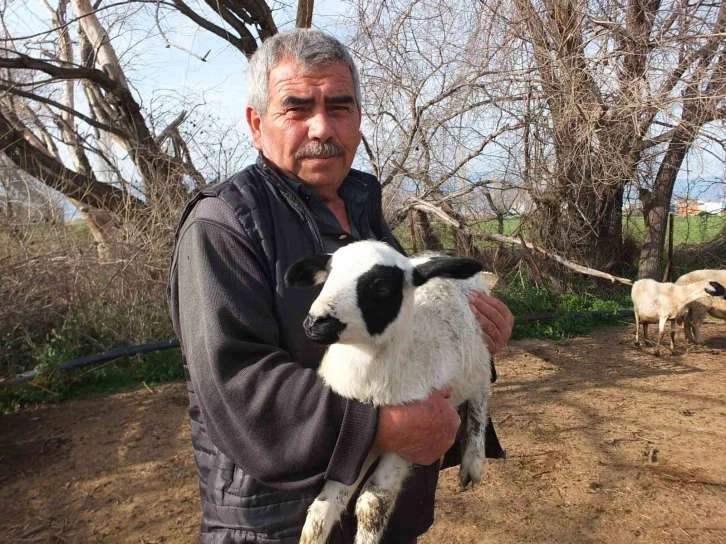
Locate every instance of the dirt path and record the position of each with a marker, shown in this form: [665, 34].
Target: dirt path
[607, 444]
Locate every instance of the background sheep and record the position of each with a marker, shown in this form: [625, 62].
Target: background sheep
[655, 302]
[697, 310]
[397, 331]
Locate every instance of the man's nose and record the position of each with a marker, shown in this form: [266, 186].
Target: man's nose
[320, 127]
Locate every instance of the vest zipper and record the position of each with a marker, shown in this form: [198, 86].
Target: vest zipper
[299, 206]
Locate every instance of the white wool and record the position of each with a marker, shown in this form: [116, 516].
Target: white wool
[656, 302]
[699, 309]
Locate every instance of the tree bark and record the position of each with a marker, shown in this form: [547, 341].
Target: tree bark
[425, 237]
[656, 204]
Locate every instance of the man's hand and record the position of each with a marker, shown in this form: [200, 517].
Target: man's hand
[495, 319]
[420, 432]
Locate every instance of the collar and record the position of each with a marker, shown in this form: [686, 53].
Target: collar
[351, 190]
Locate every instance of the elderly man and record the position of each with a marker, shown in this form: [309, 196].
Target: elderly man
[266, 431]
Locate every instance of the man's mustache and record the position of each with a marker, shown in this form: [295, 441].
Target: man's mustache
[316, 150]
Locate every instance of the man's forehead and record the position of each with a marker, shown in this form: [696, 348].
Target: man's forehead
[289, 78]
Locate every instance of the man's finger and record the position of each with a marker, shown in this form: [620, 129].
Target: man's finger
[494, 310]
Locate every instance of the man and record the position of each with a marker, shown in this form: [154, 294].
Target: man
[266, 431]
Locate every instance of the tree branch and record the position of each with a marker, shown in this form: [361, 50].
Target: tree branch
[55, 175]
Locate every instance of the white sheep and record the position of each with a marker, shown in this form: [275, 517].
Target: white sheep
[397, 330]
[656, 302]
[697, 310]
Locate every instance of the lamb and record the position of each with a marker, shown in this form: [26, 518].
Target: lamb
[697, 310]
[397, 329]
[656, 302]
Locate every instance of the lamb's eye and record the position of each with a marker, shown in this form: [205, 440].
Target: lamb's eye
[381, 288]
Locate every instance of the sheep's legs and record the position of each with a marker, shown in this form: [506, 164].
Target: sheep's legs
[473, 447]
[376, 501]
[673, 336]
[328, 506]
[661, 332]
[637, 331]
[688, 328]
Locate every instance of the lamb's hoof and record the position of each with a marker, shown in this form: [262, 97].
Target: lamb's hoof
[470, 472]
[637, 344]
[465, 480]
[656, 354]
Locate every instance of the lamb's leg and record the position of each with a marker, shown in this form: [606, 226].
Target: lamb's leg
[696, 327]
[697, 318]
[673, 336]
[645, 334]
[376, 501]
[661, 331]
[473, 447]
[688, 329]
[637, 330]
[328, 506]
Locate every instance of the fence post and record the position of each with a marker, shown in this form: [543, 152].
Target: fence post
[413, 231]
[667, 276]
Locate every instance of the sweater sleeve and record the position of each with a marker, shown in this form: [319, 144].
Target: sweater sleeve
[274, 418]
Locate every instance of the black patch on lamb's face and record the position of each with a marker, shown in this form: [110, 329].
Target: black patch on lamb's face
[380, 294]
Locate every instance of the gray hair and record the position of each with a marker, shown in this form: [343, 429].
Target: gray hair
[309, 48]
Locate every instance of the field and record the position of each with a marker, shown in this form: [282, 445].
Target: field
[607, 444]
[692, 229]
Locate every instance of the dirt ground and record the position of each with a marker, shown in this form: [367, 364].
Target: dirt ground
[606, 443]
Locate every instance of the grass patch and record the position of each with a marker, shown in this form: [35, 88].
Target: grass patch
[526, 299]
[124, 374]
[691, 229]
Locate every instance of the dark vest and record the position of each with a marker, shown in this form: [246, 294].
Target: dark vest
[282, 231]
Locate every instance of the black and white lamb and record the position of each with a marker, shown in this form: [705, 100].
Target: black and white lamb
[397, 329]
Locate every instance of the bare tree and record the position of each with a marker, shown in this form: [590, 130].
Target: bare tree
[433, 93]
[617, 84]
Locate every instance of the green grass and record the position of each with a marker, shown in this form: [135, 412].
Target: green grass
[525, 299]
[124, 374]
[692, 229]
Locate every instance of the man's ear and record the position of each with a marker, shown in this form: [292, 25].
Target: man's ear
[308, 271]
[458, 268]
[253, 122]
[715, 289]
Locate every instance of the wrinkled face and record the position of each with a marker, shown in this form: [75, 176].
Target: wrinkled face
[368, 289]
[311, 129]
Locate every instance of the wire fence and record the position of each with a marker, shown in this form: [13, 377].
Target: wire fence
[96, 306]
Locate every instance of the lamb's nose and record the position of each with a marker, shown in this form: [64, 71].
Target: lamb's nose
[312, 321]
[324, 329]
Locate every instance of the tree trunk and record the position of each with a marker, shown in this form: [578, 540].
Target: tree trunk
[656, 204]
[425, 237]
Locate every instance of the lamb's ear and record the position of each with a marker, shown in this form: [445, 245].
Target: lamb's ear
[458, 268]
[715, 289]
[308, 271]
